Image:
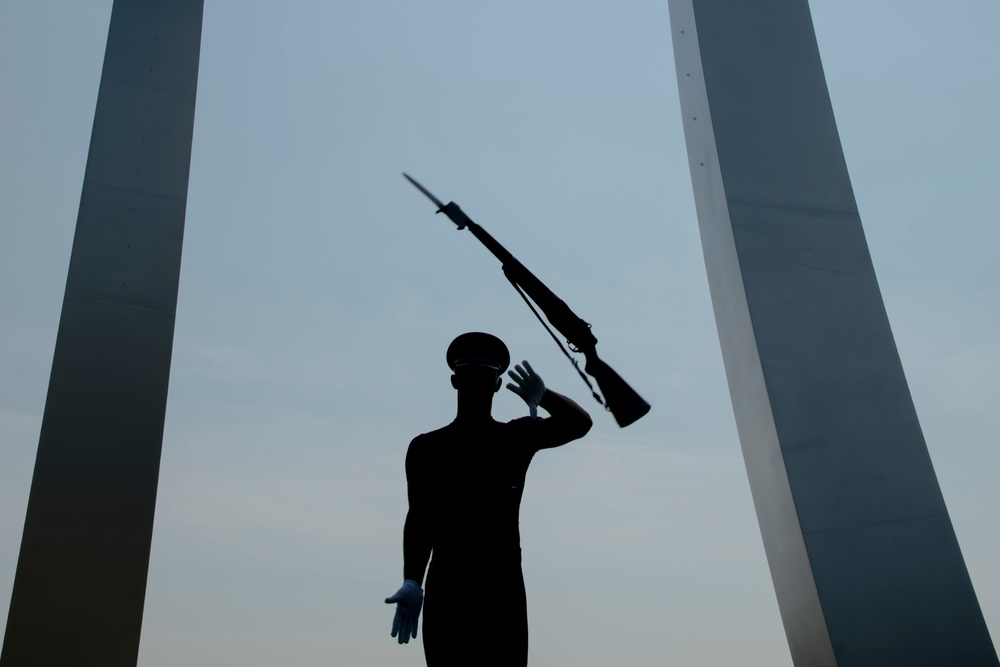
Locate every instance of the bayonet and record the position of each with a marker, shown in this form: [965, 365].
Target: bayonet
[450, 209]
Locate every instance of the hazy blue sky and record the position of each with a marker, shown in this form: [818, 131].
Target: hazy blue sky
[319, 292]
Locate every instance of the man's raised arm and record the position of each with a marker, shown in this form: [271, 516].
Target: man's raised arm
[568, 421]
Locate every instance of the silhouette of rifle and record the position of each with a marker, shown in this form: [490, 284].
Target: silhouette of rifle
[619, 398]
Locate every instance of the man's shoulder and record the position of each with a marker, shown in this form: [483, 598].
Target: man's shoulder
[524, 430]
[527, 422]
[431, 437]
[521, 423]
[421, 451]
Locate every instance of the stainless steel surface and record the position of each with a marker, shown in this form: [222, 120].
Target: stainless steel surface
[864, 560]
[81, 574]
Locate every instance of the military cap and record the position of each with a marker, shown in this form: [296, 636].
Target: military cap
[478, 349]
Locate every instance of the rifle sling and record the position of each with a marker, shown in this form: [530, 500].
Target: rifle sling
[576, 365]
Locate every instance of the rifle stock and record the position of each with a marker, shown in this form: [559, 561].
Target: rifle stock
[625, 404]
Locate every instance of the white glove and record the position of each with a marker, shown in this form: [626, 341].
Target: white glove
[408, 600]
[528, 385]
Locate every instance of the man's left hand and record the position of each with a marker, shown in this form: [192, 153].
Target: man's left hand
[408, 600]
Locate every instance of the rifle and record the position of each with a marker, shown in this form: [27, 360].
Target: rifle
[619, 398]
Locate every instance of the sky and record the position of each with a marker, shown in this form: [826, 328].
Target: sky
[319, 292]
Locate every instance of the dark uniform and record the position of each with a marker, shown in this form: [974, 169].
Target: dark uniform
[464, 484]
[464, 487]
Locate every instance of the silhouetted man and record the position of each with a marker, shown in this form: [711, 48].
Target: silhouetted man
[464, 484]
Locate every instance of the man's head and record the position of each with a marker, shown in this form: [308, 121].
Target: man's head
[478, 361]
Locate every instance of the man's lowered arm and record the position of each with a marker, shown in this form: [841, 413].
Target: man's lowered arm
[416, 552]
[416, 531]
